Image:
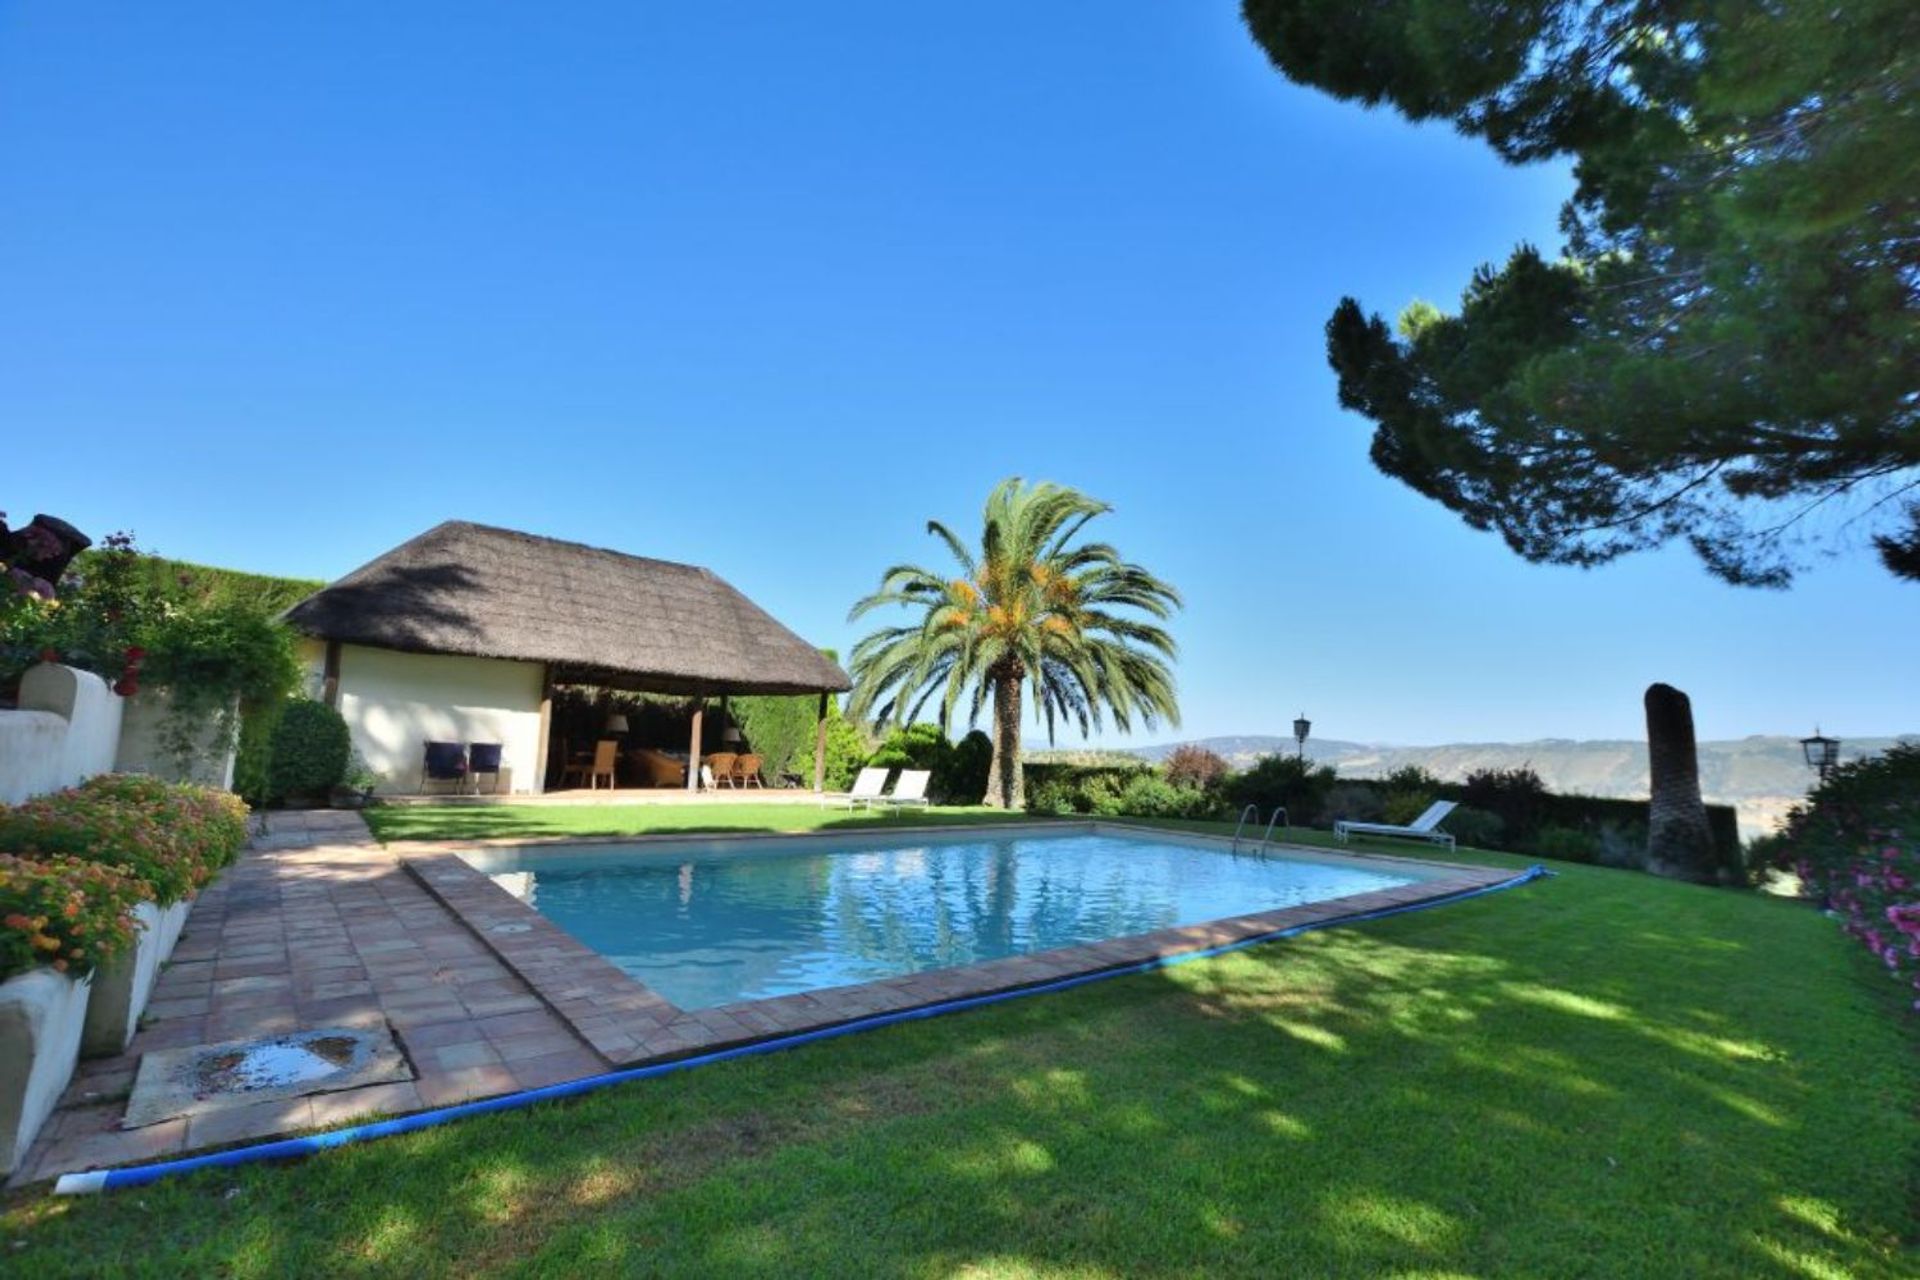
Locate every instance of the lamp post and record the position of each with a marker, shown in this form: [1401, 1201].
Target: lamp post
[1301, 727]
[1822, 752]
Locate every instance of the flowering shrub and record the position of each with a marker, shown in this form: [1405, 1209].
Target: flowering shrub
[63, 912]
[1855, 845]
[172, 838]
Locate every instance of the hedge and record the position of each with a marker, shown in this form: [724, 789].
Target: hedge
[1572, 828]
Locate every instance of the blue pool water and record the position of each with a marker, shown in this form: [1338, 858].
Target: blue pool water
[709, 922]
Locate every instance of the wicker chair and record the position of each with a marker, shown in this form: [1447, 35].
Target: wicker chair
[746, 771]
[606, 753]
[721, 762]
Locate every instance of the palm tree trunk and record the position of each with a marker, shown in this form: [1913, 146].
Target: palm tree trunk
[1679, 841]
[1006, 788]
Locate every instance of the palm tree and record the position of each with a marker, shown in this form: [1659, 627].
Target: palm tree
[1074, 624]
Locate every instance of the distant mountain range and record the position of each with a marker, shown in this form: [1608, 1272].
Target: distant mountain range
[1761, 776]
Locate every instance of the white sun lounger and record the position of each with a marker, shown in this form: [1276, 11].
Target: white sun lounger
[909, 789]
[1425, 827]
[867, 788]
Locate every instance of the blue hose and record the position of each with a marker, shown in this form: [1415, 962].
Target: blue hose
[141, 1175]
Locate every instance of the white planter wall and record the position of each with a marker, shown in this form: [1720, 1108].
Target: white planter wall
[144, 747]
[42, 1015]
[123, 985]
[66, 730]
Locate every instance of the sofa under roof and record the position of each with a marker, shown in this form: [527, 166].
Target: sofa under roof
[593, 616]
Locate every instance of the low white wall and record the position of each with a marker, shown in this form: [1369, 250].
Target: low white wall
[30, 745]
[394, 703]
[66, 730]
[123, 985]
[41, 1016]
[144, 747]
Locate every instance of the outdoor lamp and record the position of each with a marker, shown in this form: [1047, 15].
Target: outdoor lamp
[1302, 727]
[617, 723]
[732, 736]
[1822, 752]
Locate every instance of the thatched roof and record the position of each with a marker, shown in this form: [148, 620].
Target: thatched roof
[594, 616]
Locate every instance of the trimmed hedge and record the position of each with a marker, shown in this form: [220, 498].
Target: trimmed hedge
[309, 752]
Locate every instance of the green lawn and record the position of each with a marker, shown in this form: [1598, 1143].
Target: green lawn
[1599, 1074]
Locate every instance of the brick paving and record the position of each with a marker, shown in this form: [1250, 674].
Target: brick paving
[317, 925]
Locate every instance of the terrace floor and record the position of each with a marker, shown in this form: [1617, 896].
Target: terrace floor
[319, 926]
[316, 926]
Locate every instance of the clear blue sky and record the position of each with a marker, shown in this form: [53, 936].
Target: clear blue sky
[763, 287]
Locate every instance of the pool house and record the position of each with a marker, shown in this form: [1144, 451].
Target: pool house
[502, 649]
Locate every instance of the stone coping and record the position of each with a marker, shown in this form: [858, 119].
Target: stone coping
[629, 1024]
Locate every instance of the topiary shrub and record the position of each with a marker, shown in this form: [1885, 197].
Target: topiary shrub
[309, 752]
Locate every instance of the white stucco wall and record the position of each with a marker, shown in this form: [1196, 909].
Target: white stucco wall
[41, 1016]
[394, 703]
[144, 747]
[66, 730]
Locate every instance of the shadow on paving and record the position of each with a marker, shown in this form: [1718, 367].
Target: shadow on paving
[1557, 1081]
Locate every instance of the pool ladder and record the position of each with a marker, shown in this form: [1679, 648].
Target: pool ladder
[1279, 816]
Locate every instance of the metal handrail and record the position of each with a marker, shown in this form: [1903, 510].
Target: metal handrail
[1280, 816]
[1250, 809]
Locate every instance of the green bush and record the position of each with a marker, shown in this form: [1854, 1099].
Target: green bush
[1476, 827]
[1151, 796]
[172, 838]
[1297, 785]
[1517, 796]
[1402, 807]
[846, 751]
[1566, 844]
[1049, 795]
[1411, 777]
[1116, 793]
[65, 913]
[253, 751]
[779, 730]
[967, 767]
[309, 752]
[1353, 802]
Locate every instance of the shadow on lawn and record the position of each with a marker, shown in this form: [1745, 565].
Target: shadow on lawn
[1499, 1087]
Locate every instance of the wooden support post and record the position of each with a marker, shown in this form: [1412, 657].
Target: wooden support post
[693, 749]
[330, 676]
[820, 747]
[546, 731]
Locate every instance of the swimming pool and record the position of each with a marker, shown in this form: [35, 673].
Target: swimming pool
[706, 923]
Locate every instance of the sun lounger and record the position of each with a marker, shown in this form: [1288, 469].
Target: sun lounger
[909, 789]
[867, 788]
[1425, 827]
